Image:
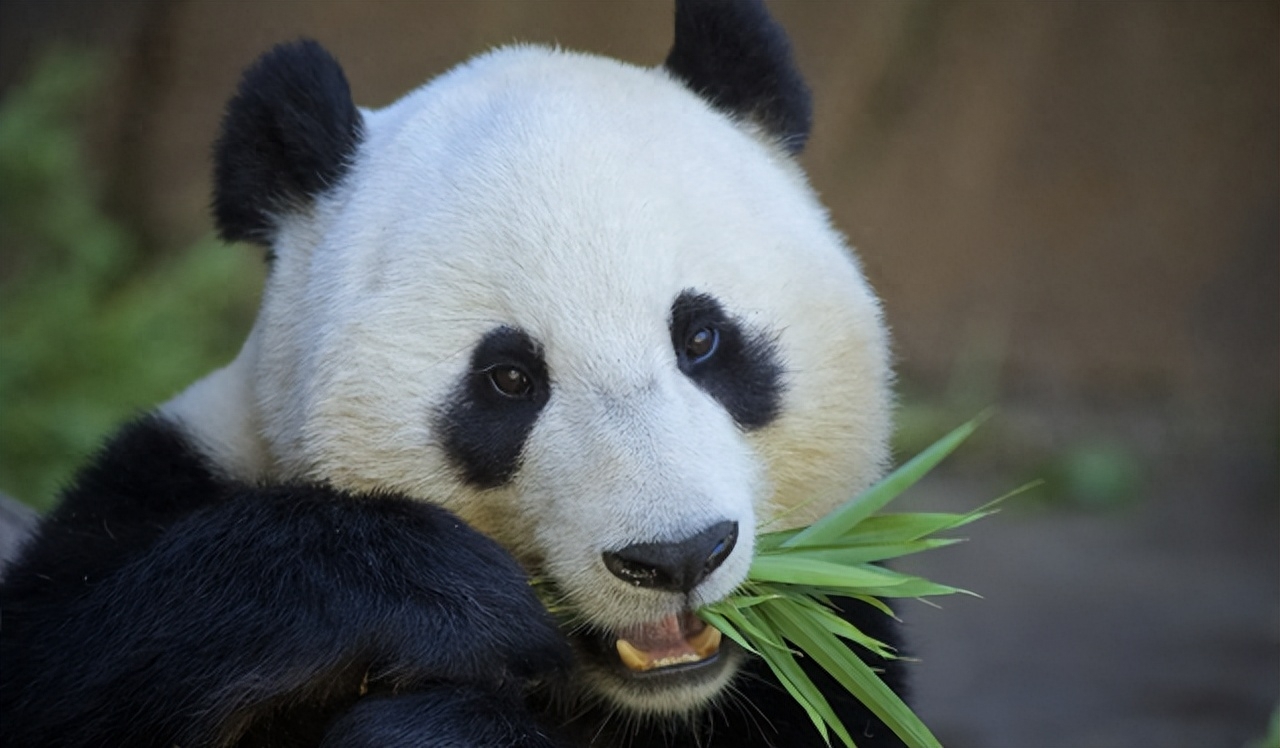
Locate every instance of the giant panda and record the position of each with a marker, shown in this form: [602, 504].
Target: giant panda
[550, 317]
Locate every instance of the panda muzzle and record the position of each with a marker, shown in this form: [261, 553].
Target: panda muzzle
[674, 640]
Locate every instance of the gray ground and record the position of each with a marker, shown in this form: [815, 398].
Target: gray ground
[1156, 626]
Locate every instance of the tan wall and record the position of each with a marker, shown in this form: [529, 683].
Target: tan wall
[1092, 185]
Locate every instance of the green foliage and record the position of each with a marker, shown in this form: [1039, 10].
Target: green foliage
[796, 572]
[1272, 738]
[91, 331]
[1095, 474]
[1080, 471]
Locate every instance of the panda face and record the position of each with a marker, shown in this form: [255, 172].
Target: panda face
[605, 323]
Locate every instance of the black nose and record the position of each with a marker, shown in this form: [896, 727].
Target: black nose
[679, 566]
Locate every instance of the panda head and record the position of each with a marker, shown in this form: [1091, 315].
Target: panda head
[592, 308]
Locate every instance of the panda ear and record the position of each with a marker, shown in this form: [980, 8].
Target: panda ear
[732, 53]
[289, 133]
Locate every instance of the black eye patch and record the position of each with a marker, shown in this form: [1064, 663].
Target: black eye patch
[742, 371]
[487, 420]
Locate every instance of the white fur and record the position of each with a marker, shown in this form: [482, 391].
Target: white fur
[573, 197]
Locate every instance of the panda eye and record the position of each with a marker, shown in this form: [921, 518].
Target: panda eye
[701, 345]
[511, 381]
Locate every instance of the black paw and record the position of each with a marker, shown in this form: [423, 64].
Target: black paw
[474, 615]
[264, 607]
[401, 584]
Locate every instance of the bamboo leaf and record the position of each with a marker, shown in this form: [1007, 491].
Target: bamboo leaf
[798, 569]
[788, 599]
[845, 630]
[786, 670]
[826, 530]
[919, 587]
[728, 629]
[862, 554]
[746, 601]
[793, 678]
[751, 629]
[876, 603]
[852, 673]
[884, 529]
[768, 541]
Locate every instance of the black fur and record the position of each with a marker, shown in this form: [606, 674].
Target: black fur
[161, 605]
[736, 56]
[288, 135]
[744, 374]
[446, 715]
[484, 430]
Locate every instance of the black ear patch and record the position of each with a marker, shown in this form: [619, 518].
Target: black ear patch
[732, 53]
[744, 373]
[289, 133]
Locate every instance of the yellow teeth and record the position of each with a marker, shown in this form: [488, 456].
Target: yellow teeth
[704, 644]
[633, 658]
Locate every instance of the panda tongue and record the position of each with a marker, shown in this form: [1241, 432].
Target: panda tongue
[674, 640]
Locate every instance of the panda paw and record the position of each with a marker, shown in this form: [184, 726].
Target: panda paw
[428, 597]
[474, 616]
[278, 595]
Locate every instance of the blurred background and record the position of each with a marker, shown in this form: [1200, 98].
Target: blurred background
[1071, 210]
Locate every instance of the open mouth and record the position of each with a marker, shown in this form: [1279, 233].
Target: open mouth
[671, 642]
[679, 648]
[667, 666]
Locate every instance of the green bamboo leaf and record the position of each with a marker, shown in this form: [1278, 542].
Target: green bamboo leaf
[822, 595]
[876, 603]
[915, 587]
[885, 529]
[798, 684]
[720, 622]
[826, 530]
[852, 673]
[845, 630]
[746, 601]
[892, 577]
[768, 541]
[919, 588]
[862, 554]
[750, 627]
[786, 607]
[797, 569]
[796, 592]
[826, 616]
[817, 578]
[779, 665]
[880, 529]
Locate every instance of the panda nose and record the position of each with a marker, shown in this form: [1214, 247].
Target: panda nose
[676, 567]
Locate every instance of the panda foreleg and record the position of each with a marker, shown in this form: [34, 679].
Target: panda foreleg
[270, 611]
[447, 715]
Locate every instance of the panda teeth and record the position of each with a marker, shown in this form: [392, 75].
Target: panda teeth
[701, 646]
[635, 659]
[706, 642]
